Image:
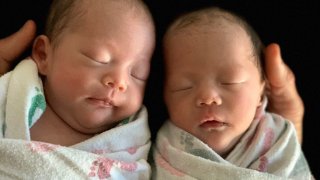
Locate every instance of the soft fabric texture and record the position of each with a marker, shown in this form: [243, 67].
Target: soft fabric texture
[268, 150]
[119, 153]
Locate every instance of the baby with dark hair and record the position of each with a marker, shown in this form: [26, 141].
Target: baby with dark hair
[215, 95]
[79, 96]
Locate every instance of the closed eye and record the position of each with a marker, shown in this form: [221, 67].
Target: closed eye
[139, 78]
[100, 61]
[182, 89]
[232, 83]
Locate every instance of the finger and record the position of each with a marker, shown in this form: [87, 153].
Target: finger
[12, 46]
[283, 96]
[276, 70]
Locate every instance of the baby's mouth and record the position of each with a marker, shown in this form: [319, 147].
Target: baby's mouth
[101, 102]
[213, 124]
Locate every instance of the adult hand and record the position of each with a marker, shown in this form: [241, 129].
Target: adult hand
[283, 96]
[14, 45]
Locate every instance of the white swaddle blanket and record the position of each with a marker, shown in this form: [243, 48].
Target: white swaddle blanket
[119, 153]
[268, 150]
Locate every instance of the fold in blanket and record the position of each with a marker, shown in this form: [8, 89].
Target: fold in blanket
[119, 153]
[268, 150]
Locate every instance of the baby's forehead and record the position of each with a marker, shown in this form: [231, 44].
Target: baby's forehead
[206, 21]
[113, 11]
[114, 6]
[221, 26]
[221, 29]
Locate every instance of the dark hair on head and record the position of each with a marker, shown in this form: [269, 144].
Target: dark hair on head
[63, 12]
[214, 16]
[59, 17]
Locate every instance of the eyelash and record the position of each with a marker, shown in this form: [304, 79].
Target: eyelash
[104, 63]
[99, 62]
[227, 84]
[233, 84]
[141, 79]
[182, 89]
[95, 60]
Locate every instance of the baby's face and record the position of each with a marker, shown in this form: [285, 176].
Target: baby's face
[212, 87]
[98, 71]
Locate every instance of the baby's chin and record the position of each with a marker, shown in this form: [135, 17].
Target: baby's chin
[221, 146]
[93, 127]
[98, 122]
[97, 127]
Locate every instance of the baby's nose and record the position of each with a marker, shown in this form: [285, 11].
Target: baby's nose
[117, 83]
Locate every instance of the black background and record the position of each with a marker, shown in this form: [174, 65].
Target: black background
[293, 24]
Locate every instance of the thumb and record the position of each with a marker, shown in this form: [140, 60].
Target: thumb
[277, 71]
[14, 45]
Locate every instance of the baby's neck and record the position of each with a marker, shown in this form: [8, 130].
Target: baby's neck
[52, 129]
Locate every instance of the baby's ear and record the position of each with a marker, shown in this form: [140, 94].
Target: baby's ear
[263, 92]
[40, 53]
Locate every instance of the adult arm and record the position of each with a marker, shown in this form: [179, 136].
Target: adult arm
[14, 45]
[283, 96]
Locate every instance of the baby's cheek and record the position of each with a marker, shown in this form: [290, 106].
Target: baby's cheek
[245, 112]
[179, 108]
[75, 86]
[132, 99]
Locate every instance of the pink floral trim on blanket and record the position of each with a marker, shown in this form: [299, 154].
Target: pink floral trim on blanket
[100, 151]
[40, 147]
[253, 138]
[267, 143]
[102, 166]
[131, 150]
[268, 139]
[263, 166]
[166, 166]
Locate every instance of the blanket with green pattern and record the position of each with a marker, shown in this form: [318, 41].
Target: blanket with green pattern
[119, 153]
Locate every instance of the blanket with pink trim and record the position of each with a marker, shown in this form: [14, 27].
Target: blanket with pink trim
[268, 150]
[119, 153]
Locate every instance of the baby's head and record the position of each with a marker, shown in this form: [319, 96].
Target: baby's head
[95, 59]
[68, 14]
[211, 19]
[214, 76]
